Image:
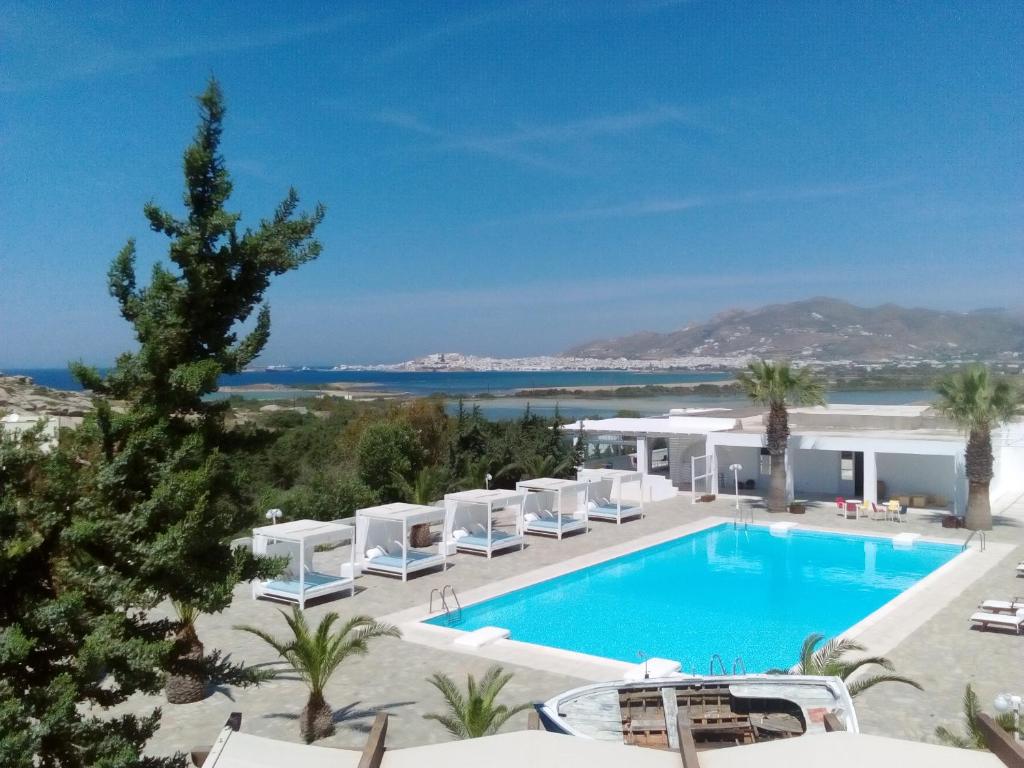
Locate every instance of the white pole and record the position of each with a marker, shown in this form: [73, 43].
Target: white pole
[736, 479]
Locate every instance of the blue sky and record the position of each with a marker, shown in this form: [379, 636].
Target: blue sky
[513, 178]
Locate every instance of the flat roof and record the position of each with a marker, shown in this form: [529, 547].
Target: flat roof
[864, 409]
[400, 511]
[305, 530]
[672, 425]
[549, 483]
[485, 496]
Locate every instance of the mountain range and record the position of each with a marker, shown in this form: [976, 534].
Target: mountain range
[830, 330]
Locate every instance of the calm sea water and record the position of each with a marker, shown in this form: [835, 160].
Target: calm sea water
[468, 384]
[418, 383]
[732, 592]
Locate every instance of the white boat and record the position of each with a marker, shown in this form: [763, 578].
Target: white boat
[719, 710]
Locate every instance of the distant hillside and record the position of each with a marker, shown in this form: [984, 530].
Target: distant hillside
[830, 329]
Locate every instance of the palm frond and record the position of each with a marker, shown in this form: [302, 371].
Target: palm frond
[861, 684]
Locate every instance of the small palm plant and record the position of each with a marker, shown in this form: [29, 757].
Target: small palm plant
[316, 655]
[473, 714]
[974, 738]
[185, 681]
[828, 661]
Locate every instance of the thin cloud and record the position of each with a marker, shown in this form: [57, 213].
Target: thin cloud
[82, 58]
[656, 207]
[438, 33]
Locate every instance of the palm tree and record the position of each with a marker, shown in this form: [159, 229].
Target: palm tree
[474, 713]
[315, 656]
[426, 488]
[778, 385]
[974, 739]
[185, 681]
[828, 661]
[977, 403]
[537, 466]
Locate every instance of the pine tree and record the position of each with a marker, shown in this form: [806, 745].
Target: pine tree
[137, 507]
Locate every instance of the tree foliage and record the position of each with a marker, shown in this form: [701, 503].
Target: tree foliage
[138, 505]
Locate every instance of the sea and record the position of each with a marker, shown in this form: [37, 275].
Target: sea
[492, 391]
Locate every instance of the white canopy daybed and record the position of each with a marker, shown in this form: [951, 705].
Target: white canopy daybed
[382, 539]
[555, 506]
[297, 540]
[606, 494]
[470, 522]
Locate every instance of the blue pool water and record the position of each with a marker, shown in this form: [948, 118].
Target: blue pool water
[732, 592]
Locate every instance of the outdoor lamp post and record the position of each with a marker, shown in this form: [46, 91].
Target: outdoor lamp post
[487, 481]
[273, 514]
[1008, 702]
[735, 469]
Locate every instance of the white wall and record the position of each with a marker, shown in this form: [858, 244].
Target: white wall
[906, 474]
[749, 458]
[816, 472]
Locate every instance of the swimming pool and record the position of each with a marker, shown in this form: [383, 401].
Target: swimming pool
[735, 592]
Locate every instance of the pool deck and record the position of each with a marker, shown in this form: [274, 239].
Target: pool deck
[926, 635]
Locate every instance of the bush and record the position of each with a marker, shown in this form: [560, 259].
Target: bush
[388, 449]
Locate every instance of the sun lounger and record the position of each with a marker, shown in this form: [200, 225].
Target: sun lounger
[606, 510]
[1003, 606]
[1001, 620]
[393, 562]
[548, 523]
[477, 541]
[1020, 568]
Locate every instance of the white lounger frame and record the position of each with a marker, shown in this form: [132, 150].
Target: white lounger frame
[378, 525]
[611, 481]
[298, 540]
[565, 499]
[483, 503]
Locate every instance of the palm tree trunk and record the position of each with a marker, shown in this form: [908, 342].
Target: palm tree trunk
[317, 719]
[978, 466]
[778, 498]
[419, 535]
[979, 509]
[185, 683]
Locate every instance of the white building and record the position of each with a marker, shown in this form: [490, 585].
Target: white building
[868, 452]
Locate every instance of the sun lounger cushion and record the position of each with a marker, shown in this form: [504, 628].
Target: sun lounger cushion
[1008, 621]
[1002, 606]
[546, 524]
[312, 579]
[396, 561]
[481, 541]
[611, 511]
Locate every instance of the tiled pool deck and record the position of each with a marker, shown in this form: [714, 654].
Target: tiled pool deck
[927, 637]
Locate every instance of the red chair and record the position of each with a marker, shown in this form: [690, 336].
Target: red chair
[841, 504]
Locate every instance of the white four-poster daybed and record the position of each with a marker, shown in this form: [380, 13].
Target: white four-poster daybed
[469, 526]
[382, 539]
[555, 506]
[608, 487]
[297, 540]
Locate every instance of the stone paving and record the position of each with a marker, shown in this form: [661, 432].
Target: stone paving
[943, 654]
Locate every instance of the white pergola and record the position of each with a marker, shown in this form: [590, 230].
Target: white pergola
[470, 522]
[606, 494]
[568, 510]
[384, 531]
[297, 540]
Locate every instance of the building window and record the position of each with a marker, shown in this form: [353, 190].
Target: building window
[766, 462]
[846, 466]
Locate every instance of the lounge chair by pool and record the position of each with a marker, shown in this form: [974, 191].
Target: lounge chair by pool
[1003, 606]
[1001, 620]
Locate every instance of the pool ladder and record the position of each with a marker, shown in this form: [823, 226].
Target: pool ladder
[981, 540]
[451, 617]
[743, 516]
[738, 667]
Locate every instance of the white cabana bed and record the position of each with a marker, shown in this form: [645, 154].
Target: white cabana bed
[470, 522]
[555, 506]
[297, 540]
[606, 500]
[382, 539]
